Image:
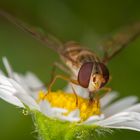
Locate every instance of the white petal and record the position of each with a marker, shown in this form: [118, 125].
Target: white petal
[71, 119]
[73, 116]
[7, 92]
[134, 108]
[34, 84]
[10, 98]
[14, 90]
[78, 89]
[123, 120]
[94, 119]
[128, 125]
[28, 100]
[107, 99]
[17, 87]
[57, 110]
[9, 89]
[8, 67]
[5, 81]
[121, 117]
[17, 77]
[45, 107]
[75, 113]
[120, 105]
[23, 96]
[2, 73]
[28, 81]
[24, 82]
[32, 81]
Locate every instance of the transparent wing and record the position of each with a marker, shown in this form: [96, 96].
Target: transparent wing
[47, 39]
[119, 41]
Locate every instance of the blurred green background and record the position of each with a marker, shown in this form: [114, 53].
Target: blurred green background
[84, 21]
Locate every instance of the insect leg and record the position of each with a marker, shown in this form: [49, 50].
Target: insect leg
[93, 96]
[61, 77]
[98, 96]
[56, 64]
[76, 97]
[43, 86]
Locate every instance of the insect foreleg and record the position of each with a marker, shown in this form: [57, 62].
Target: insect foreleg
[76, 97]
[61, 77]
[93, 96]
[96, 95]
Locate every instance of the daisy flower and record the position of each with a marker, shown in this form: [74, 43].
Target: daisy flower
[57, 115]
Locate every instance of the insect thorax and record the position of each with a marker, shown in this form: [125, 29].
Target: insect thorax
[74, 56]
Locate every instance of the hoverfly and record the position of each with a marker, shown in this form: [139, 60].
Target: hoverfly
[86, 68]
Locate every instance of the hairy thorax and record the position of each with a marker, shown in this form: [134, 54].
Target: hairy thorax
[74, 55]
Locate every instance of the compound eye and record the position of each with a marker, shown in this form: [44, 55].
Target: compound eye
[84, 74]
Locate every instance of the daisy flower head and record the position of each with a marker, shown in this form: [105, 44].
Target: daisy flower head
[58, 115]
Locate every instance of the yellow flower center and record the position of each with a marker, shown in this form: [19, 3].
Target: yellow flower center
[67, 101]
